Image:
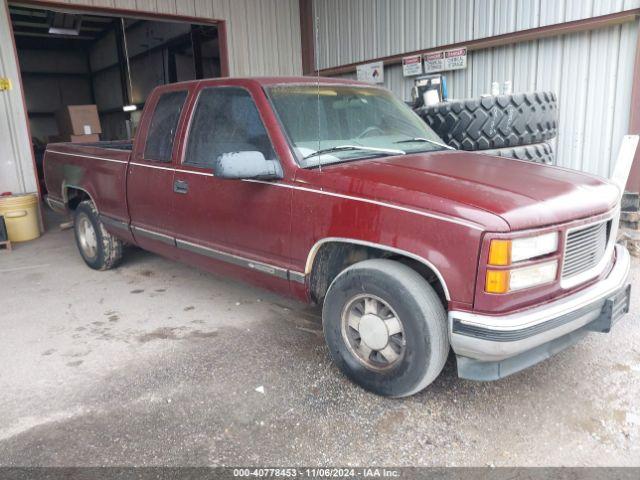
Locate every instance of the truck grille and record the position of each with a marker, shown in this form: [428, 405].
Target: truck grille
[584, 249]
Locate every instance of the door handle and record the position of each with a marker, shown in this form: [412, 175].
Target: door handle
[180, 186]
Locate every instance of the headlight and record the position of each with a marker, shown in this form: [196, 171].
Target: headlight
[534, 275]
[503, 281]
[506, 252]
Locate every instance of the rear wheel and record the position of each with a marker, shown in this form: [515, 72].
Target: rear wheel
[98, 248]
[386, 327]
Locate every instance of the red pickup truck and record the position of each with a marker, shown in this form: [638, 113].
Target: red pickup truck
[336, 193]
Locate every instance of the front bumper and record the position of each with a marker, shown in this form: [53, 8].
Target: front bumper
[490, 347]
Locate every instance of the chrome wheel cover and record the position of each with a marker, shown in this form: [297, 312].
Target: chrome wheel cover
[373, 332]
[87, 238]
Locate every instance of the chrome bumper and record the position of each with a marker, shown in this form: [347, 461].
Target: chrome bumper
[483, 343]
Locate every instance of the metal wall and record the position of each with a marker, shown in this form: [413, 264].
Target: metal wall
[591, 72]
[263, 38]
[16, 163]
[48, 93]
[357, 30]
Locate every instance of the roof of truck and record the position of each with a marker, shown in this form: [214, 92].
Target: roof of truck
[279, 80]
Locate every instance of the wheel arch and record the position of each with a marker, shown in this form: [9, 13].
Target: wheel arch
[390, 252]
[72, 195]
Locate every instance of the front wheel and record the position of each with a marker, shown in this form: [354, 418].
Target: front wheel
[385, 327]
[99, 249]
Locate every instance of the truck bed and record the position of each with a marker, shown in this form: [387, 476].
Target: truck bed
[97, 170]
[111, 145]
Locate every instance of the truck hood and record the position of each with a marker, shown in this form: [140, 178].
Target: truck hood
[523, 194]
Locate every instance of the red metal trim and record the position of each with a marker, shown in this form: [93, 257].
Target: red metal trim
[223, 48]
[505, 39]
[115, 11]
[633, 184]
[306, 37]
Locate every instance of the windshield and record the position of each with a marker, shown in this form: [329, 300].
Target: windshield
[338, 123]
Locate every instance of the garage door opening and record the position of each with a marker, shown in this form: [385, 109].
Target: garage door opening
[74, 57]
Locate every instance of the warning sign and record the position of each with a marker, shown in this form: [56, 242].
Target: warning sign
[370, 72]
[455, 59]
[412, 65]
[433, 62]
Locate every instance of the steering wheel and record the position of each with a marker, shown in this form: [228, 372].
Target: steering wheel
[369, 130]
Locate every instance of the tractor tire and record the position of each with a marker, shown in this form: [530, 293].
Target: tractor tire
[537, 153]
[492, 122]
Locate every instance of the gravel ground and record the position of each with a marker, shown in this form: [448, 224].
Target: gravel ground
[155, 363]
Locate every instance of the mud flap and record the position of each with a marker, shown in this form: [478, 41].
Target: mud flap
[488, 371]
[614, 308]
[624, 161]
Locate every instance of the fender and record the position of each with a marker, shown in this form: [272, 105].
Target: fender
[65, 194]
[316, 247]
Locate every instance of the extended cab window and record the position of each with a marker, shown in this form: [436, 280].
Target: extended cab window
[226, 120]
[164, 123]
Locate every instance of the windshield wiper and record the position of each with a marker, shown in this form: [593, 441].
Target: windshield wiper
[422, 139]
[341, 148]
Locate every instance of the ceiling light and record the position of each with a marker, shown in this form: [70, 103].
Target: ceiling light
[64, 24]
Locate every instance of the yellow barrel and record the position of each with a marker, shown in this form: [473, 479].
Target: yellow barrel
[21, 216]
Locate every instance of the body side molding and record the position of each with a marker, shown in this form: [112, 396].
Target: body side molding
[160, 237]
[114, 222]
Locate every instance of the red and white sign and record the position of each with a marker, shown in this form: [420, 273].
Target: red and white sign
[412, 65]
[433, 62]
[455, 59]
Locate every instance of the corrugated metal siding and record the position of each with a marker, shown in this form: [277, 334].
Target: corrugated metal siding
[357, 30]
[16, 165]
[591, 72]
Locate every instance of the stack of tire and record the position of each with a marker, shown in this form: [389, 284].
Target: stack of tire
[516, 126]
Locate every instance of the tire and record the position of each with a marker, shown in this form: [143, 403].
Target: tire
[494, 121]
[421, 347]
[537, 153]
[107, 249]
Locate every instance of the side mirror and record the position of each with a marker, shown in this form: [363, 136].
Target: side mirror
[248, 164]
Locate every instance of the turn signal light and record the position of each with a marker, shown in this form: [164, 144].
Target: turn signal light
[500, 252]
[497, 281]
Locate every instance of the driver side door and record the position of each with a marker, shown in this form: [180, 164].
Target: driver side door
[234, 224]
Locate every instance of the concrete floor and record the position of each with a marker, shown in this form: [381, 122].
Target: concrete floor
[155, 363]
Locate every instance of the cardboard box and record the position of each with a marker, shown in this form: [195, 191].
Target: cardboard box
[74, 138]
[78, 120]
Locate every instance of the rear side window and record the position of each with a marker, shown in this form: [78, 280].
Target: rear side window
[226, 120]
[164, 123]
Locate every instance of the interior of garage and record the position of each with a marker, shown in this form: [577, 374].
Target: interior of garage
[112, 62]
